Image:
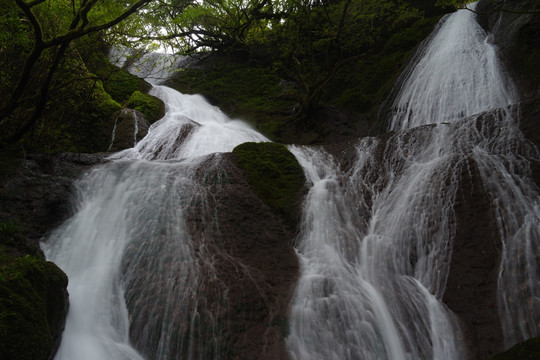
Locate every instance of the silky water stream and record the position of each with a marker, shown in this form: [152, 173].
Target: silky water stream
[134, 272]
[377, 237]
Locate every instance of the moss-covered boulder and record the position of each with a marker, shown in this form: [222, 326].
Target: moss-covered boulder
[150, 106]
[119, 83]
[33, 306]
[275, 175]
[527, 350]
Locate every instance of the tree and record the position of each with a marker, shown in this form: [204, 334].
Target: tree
[54, 25]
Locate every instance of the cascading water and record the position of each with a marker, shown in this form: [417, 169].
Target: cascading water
[133, 268]
[376, 240]
[459, 74]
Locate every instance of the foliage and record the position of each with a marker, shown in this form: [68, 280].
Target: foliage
[119, 83]
[50, 27]
[152, 108]
[274, 174]
[250, 92]
[307, 42]
[81, 119]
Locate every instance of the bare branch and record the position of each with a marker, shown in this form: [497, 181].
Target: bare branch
[499, 9]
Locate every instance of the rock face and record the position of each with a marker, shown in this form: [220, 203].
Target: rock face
[130, 126]
[33, 295]
[516, 32]
[245, 270]
[38, 195]
[259, 269]
[471, 291]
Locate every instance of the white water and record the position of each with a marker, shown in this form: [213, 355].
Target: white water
[127, 246]
[456, 74]
[459, 74]
[376, 241]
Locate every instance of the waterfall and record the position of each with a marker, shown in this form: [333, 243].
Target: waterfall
[376, 236]
[376, 239]
[455, 74]
[134, 266]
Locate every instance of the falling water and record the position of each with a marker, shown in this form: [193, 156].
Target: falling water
[459, 74]
[113, 134]
[376, 240]
[456, 73]
[133, 268]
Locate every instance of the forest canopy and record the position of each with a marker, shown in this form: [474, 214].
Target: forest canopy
[49, 73]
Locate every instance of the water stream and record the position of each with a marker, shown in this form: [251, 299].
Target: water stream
[376, 239]
[127, 248]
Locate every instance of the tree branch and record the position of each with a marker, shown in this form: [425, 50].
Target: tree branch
[500, 9]
[80, 32]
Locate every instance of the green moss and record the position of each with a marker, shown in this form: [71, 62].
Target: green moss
[253, 93]
[119, 83]
[152, 108]
[527, 350]
[90, 131]
[275, 175]
[32, 308]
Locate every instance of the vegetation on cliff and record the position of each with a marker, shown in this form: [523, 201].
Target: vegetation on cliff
[300, 52]
[275, 175]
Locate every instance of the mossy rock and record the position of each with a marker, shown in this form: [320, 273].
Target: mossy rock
[150, 106]
[274, 174]
[255, 94]
[527, 350]
[119, 83]
[33, 306]
[91, 130]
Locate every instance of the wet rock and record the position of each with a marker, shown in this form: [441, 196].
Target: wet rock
[246, 270]
[516, 34]
[261, 278]
[33, 296]
[130, 127]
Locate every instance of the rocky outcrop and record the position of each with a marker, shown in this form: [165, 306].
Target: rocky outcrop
[37, 196]
[130, 126]
[257, 265]
[515, 26]
[33, 296]
[245, 269]
[33, 308]
[150, 106]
